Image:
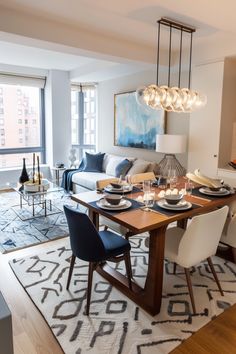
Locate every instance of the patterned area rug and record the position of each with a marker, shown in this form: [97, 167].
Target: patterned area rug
[16, 233]
[117, 325]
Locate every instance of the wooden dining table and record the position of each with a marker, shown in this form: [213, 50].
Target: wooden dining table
[155, 222]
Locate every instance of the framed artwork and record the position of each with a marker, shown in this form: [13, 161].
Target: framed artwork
[135, 125]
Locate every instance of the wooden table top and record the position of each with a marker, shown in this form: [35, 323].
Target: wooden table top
[138, 220]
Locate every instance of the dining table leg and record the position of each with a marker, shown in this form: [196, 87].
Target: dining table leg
[149, 297]
[154, 280]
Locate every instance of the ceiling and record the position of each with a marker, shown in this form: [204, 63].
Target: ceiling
[101, 39]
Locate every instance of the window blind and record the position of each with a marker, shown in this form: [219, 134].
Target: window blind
[22, 80]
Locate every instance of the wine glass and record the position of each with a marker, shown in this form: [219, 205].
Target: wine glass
[173, 179]
[188, 188]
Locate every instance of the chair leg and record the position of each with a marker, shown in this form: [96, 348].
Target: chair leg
[190, 288]
[72, 262]
[90, 280]
[234, 253]
[215, 275]
[128, 268]
[174, 268]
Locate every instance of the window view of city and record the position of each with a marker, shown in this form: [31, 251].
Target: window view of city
[20, 123]
[83, 120]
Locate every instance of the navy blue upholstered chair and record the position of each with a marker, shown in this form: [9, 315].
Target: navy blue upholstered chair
[94, 247]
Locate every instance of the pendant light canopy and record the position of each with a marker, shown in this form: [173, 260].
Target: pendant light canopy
[172, 99]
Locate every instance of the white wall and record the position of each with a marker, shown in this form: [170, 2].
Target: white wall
[176, 123]
[58, 117]
[204, 131]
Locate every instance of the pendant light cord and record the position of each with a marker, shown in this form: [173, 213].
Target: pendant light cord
[170, 40]
[158, 50]
[180, 55]
[190, 60]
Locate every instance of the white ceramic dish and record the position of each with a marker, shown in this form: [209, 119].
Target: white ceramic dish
[113, 206]
[125, 204]
[162, 203]
[110, 189]
[35, 187]
[181, 204]
[221, 193]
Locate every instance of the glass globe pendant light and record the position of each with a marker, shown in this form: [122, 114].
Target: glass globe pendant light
[172, 99]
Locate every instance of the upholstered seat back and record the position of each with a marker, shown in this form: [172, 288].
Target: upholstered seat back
[202, 237]
[86, 243]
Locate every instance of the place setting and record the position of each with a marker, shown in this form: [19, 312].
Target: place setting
[210, 187]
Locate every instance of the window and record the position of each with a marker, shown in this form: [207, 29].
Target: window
[83, 119]
[2, 132]
[1, 121]
[15, 145]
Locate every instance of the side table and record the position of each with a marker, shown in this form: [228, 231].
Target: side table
[57, 171]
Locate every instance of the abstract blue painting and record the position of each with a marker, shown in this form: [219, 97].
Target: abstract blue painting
[135, 125]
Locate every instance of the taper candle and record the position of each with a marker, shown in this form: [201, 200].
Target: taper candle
[33, 167]
[38, 170]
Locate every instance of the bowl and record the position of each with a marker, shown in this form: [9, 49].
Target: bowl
[116, 185]
[215, 189]
[113, 199]
[173, 199]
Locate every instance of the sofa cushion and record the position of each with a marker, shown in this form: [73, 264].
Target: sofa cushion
[123, 167]
[112, 164]
[93, 162]
[139, 166]
[108, 157]
[88, 179]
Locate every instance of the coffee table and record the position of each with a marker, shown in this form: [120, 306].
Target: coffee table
[43, 199]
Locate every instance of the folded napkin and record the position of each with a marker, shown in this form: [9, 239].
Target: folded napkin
[199, 178]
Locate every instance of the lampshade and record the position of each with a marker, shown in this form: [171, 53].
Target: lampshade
[171, 144]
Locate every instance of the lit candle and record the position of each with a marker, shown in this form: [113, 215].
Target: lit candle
[33, 167]
[38, 170]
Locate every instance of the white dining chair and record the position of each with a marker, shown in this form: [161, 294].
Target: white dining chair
[198, 242]
[228, 236]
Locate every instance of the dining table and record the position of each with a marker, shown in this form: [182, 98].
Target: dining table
[154, 221]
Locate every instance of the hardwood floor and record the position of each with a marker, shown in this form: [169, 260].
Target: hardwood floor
[217, 337]
[31, 334]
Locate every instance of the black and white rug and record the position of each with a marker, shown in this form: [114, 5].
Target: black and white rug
[18, 229]
[117, 325]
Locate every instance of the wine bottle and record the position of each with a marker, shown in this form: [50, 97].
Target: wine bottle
[24, 175]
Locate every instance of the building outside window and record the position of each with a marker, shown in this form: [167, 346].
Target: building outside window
[15, 146]
[83, 119]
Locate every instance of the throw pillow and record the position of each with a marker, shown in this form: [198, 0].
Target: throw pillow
[139, 166]
[93, 162]
[113, 162]
[123, 167]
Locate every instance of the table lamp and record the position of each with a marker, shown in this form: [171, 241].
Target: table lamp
[170, 145]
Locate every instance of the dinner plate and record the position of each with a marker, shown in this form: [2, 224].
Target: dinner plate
[221, 193]
[110, 189]
[162, 203]
[104, 205]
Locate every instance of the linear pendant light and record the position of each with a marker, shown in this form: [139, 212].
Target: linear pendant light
[172, 99]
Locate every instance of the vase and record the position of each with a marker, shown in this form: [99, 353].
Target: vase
[24, 175]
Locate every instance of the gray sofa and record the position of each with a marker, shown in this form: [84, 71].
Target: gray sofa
[88, 180]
